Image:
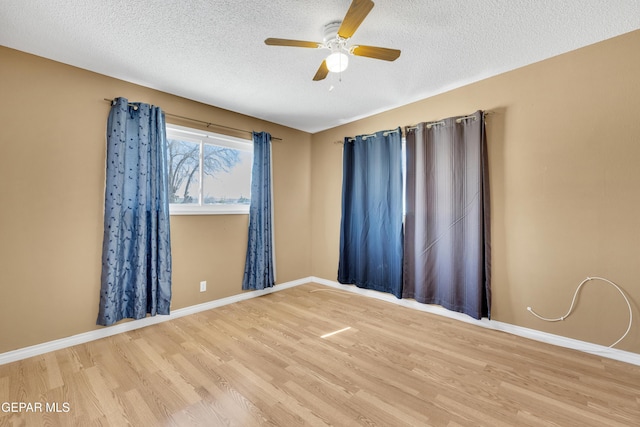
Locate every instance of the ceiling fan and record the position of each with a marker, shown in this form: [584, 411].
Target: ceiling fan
[336, 38]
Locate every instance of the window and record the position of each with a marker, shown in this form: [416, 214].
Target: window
[208, 173]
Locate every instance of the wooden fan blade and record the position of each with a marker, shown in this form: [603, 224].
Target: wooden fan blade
[358, 10]
[293, 43]
[322, 72]
[376, 52]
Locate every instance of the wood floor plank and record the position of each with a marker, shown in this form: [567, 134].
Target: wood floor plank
[110, 403]
[574, 413]
[331, 412]
[54, 379]
[82, 399]
[395, 407]
[140, 413]
[263, 362]
[201, 414]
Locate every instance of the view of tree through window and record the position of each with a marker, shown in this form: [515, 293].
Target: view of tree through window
[205, 173]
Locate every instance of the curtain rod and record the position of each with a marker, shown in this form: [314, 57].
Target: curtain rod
[364, 137]
[198, 121]
[429, 125]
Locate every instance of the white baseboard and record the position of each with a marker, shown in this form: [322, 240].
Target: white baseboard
[599, 350]
[38, 349]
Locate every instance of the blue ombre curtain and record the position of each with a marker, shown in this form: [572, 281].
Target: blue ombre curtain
[136, 250]
[371, 234]
[259, 269]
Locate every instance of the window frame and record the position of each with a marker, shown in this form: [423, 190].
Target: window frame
[202, 137]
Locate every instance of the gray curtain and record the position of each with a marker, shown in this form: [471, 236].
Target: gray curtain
[447, 237]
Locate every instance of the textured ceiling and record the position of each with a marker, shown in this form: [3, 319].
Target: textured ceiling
[212, 51]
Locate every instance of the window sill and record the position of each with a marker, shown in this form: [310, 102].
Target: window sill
[209, 210]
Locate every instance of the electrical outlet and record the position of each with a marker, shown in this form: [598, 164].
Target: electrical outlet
[203, 286]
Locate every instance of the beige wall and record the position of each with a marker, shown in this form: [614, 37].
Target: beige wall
[52, 160]
[564, 159]
[564, 150]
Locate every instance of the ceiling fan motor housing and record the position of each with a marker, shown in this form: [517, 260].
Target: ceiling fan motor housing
[332, 40]
[336, 37]
[331, 31]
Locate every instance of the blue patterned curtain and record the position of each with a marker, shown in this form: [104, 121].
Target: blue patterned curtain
[259, 269]
[371, 233]
[136, 250]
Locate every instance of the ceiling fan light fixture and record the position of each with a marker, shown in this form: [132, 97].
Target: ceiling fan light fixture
[336, 39]
[337, 62]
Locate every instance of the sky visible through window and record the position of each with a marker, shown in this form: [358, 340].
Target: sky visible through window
[226, 174]
[234, 185]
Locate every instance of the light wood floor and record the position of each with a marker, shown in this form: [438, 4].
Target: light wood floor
[263, 362]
